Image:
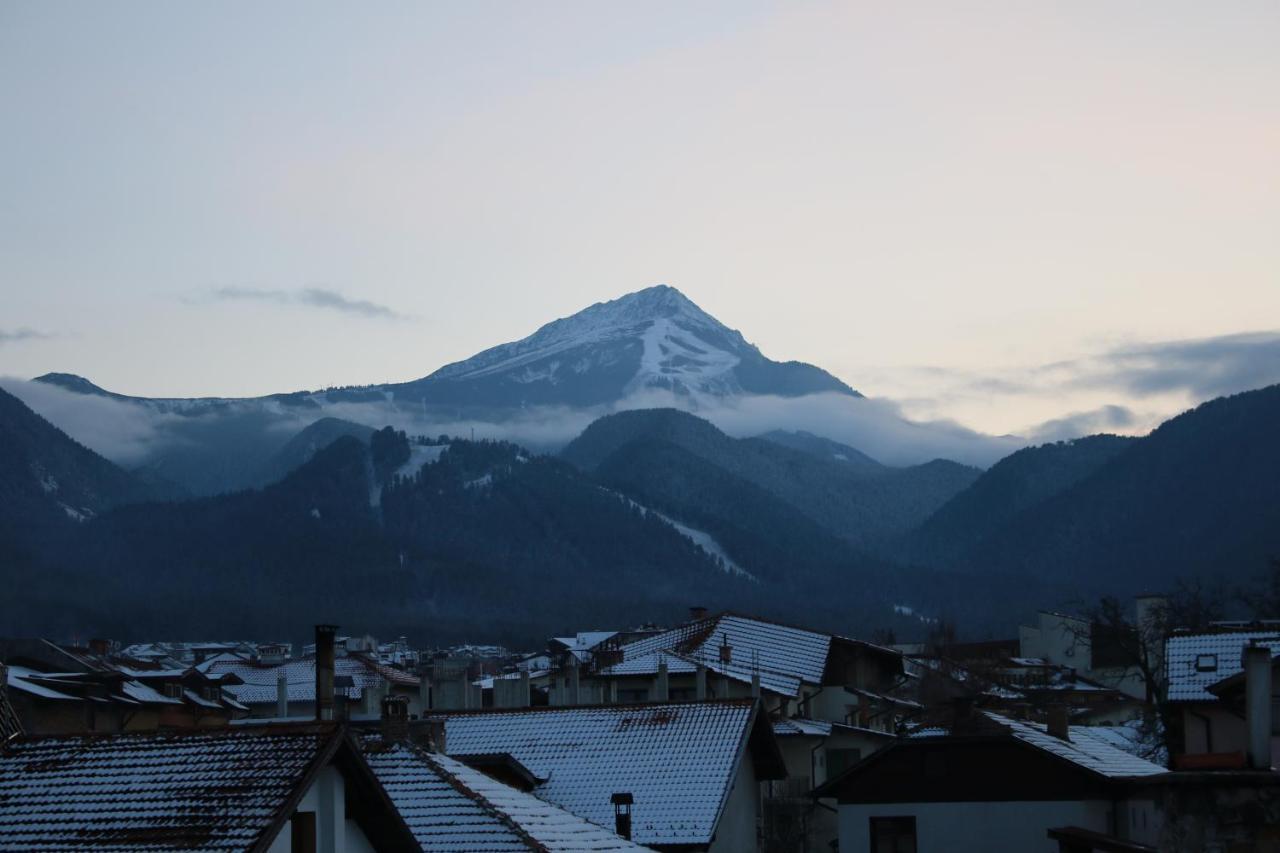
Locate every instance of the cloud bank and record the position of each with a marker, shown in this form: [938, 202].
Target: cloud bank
[21, 334]
[311, 297]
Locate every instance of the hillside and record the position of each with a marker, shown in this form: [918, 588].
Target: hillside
[1198, 497]
[862, 504]
[46, 476]
[1010, 487]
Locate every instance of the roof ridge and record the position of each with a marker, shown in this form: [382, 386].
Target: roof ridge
[275, 727]
[478, 798]
[545, 709]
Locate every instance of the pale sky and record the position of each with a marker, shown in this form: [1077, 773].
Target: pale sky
[999, 213]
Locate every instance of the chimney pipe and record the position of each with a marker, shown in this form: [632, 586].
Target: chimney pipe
[282, 695]
[660, 691]
[1058, 722]
[324, 671]
[1257, 687]
[395, 718]
[622, 803]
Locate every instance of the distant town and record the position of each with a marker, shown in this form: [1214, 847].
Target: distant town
[727, 732]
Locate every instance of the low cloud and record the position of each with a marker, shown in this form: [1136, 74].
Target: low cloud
[311, 297]
[21, 334]
[1103, 419]
[121, 431]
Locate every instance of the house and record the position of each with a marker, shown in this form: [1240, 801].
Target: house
[288, 690]
[813, 752]
[690, 770]
[795, 671]
[59, 689]
[1206, 685]
[449, 807]
[1062, 639]
[291, 788]
[992, 783]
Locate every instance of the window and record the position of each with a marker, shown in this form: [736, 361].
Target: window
[840, 760]
[172, 690]
[302, 832]
[893, 835]
[1206, 663]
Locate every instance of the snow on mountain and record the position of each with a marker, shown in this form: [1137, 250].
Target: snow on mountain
[654, 338]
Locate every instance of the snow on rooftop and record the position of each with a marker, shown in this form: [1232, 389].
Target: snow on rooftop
[784, 656]
[1085, 748]
[678, 760]
[260, 681]
[208, 790]
[1196, 661]
[452, 807]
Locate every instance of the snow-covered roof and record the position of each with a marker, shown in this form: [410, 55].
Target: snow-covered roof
[800, 727]
[17, 678]
[584, 640]
[678, 760]
[785, 657]
[1195, 661]
[260, 681]
[1085, 748]
[202, 789]
[452, 807]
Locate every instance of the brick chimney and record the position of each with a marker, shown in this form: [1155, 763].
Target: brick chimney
[395, 718]
[726, 650]
[100, 647]
[324, 671]
[1058, 722]
[697, 613]
[1256, 661]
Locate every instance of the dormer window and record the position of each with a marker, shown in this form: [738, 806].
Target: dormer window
[172, 690]
[1206, 663]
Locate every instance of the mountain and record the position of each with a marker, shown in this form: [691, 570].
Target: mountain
[862, 504]
[1013, 485]
[1199, 497]
[307, 443]
[654, 338]
[825, 448]
[45, 475]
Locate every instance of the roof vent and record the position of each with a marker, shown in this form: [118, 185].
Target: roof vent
[622, 803]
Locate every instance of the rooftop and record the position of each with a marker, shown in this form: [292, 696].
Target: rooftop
[452, 807]
[1196, 661]
[207, 789]
[679, 760]
[784, 656]
[260, 680]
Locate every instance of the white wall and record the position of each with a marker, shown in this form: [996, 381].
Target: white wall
[736, 831]
[334, 833]
[976, 827]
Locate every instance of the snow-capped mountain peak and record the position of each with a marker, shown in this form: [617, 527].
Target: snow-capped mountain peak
[653, 338]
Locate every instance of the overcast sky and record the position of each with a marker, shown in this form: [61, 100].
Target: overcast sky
[1006, 214]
